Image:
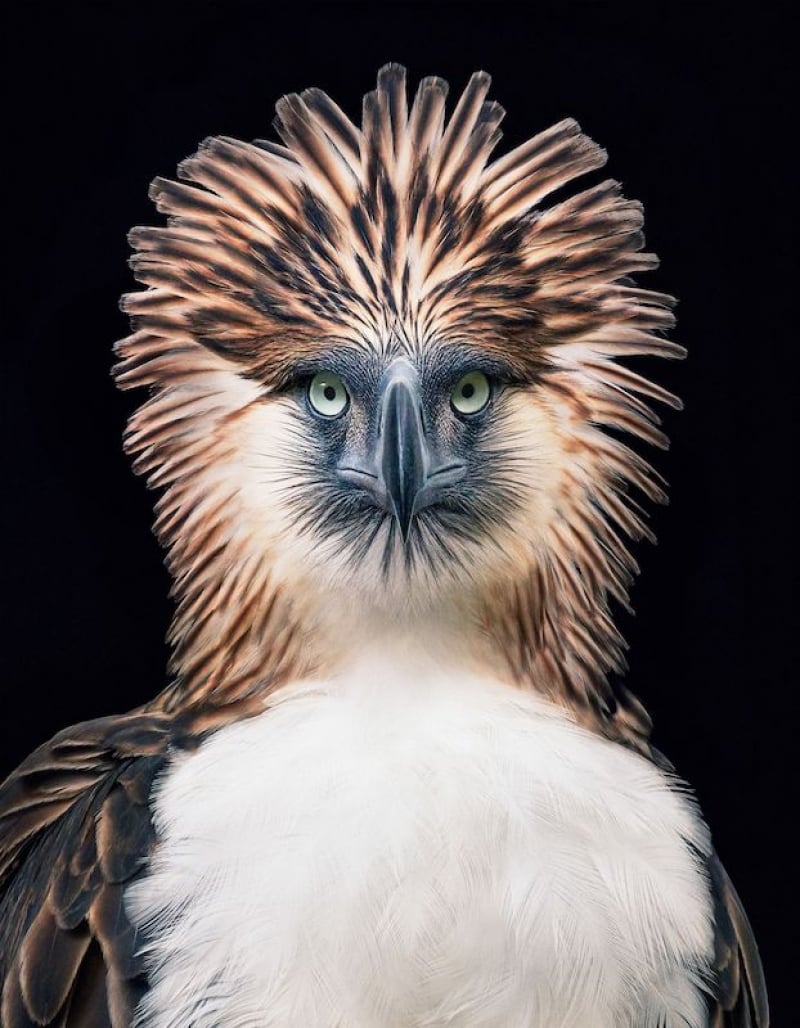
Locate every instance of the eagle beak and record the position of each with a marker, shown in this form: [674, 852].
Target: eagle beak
[400, 472]
[404, 458]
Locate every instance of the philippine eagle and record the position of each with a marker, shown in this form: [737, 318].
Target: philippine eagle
[390, 784]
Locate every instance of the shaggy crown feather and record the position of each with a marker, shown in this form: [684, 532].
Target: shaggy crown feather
[402, 225]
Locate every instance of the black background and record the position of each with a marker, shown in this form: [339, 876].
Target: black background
[693, 105]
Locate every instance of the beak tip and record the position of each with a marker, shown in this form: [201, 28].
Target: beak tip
[403, 519]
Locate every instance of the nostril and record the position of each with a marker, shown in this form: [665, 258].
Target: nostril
[448, 473]
[351, 473]
[368, 481]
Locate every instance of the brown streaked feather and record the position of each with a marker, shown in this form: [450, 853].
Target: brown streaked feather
[335, 123]
[302, 133]
[460, 128]
[740, 990]
[75, 829]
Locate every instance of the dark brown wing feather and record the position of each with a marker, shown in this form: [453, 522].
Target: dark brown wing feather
[741, 993]
[75, 829]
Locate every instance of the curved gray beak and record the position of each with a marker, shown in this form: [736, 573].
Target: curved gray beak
[404, 458]
[399, 472]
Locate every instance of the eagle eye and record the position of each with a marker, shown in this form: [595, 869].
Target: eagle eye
[327, 395]
[471, 393]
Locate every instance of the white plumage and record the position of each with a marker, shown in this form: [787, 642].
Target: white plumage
[405, 848]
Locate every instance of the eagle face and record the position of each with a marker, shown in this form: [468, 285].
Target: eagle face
[406, 477]
[404, 460]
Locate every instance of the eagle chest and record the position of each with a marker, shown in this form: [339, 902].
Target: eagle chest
[381, 853]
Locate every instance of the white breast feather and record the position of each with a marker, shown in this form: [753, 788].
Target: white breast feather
[386, 851]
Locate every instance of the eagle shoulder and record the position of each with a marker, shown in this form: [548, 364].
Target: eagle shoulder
[75, 830]
[741, 992]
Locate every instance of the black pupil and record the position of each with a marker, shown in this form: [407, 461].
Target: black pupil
[468, 390]
[329, 392]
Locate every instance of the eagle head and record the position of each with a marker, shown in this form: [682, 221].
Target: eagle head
[382, 369]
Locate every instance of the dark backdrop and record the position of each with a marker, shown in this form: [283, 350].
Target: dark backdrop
[691, 102]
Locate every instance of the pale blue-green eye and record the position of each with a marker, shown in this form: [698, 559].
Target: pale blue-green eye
[471, 393]
[327, 394]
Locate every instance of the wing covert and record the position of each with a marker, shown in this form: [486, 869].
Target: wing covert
[75, 829]
[741, 993]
